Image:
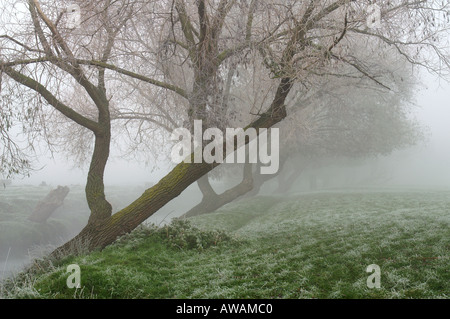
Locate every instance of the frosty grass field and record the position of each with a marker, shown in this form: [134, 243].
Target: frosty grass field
[313, 245]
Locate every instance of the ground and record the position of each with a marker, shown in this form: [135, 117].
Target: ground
[315, 245]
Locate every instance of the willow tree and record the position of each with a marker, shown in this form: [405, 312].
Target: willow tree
[188, 49]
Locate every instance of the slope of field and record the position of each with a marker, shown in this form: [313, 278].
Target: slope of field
[18, 202]
[314, 245]
[18, 235]
[22, 239]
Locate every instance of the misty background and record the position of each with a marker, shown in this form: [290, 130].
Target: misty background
[422, 166]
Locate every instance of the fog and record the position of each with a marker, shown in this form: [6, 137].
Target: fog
[345, 194]
[424, 165]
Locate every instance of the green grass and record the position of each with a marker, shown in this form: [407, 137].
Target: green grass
[305, 246]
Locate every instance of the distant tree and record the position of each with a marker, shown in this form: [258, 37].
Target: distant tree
[5, 182]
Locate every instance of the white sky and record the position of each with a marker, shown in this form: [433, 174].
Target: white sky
[428, 165]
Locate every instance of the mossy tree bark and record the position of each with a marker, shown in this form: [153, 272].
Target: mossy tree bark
[100, 208]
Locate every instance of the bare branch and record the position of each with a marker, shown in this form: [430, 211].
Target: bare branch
[51, 99]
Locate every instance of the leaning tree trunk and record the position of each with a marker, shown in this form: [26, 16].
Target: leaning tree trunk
[211, 202]
[205, 187]
[46, 207]
[97, 235]
[249, 186]
[100, 208]
[259, 179]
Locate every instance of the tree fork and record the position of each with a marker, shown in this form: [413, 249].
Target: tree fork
[211, 203]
